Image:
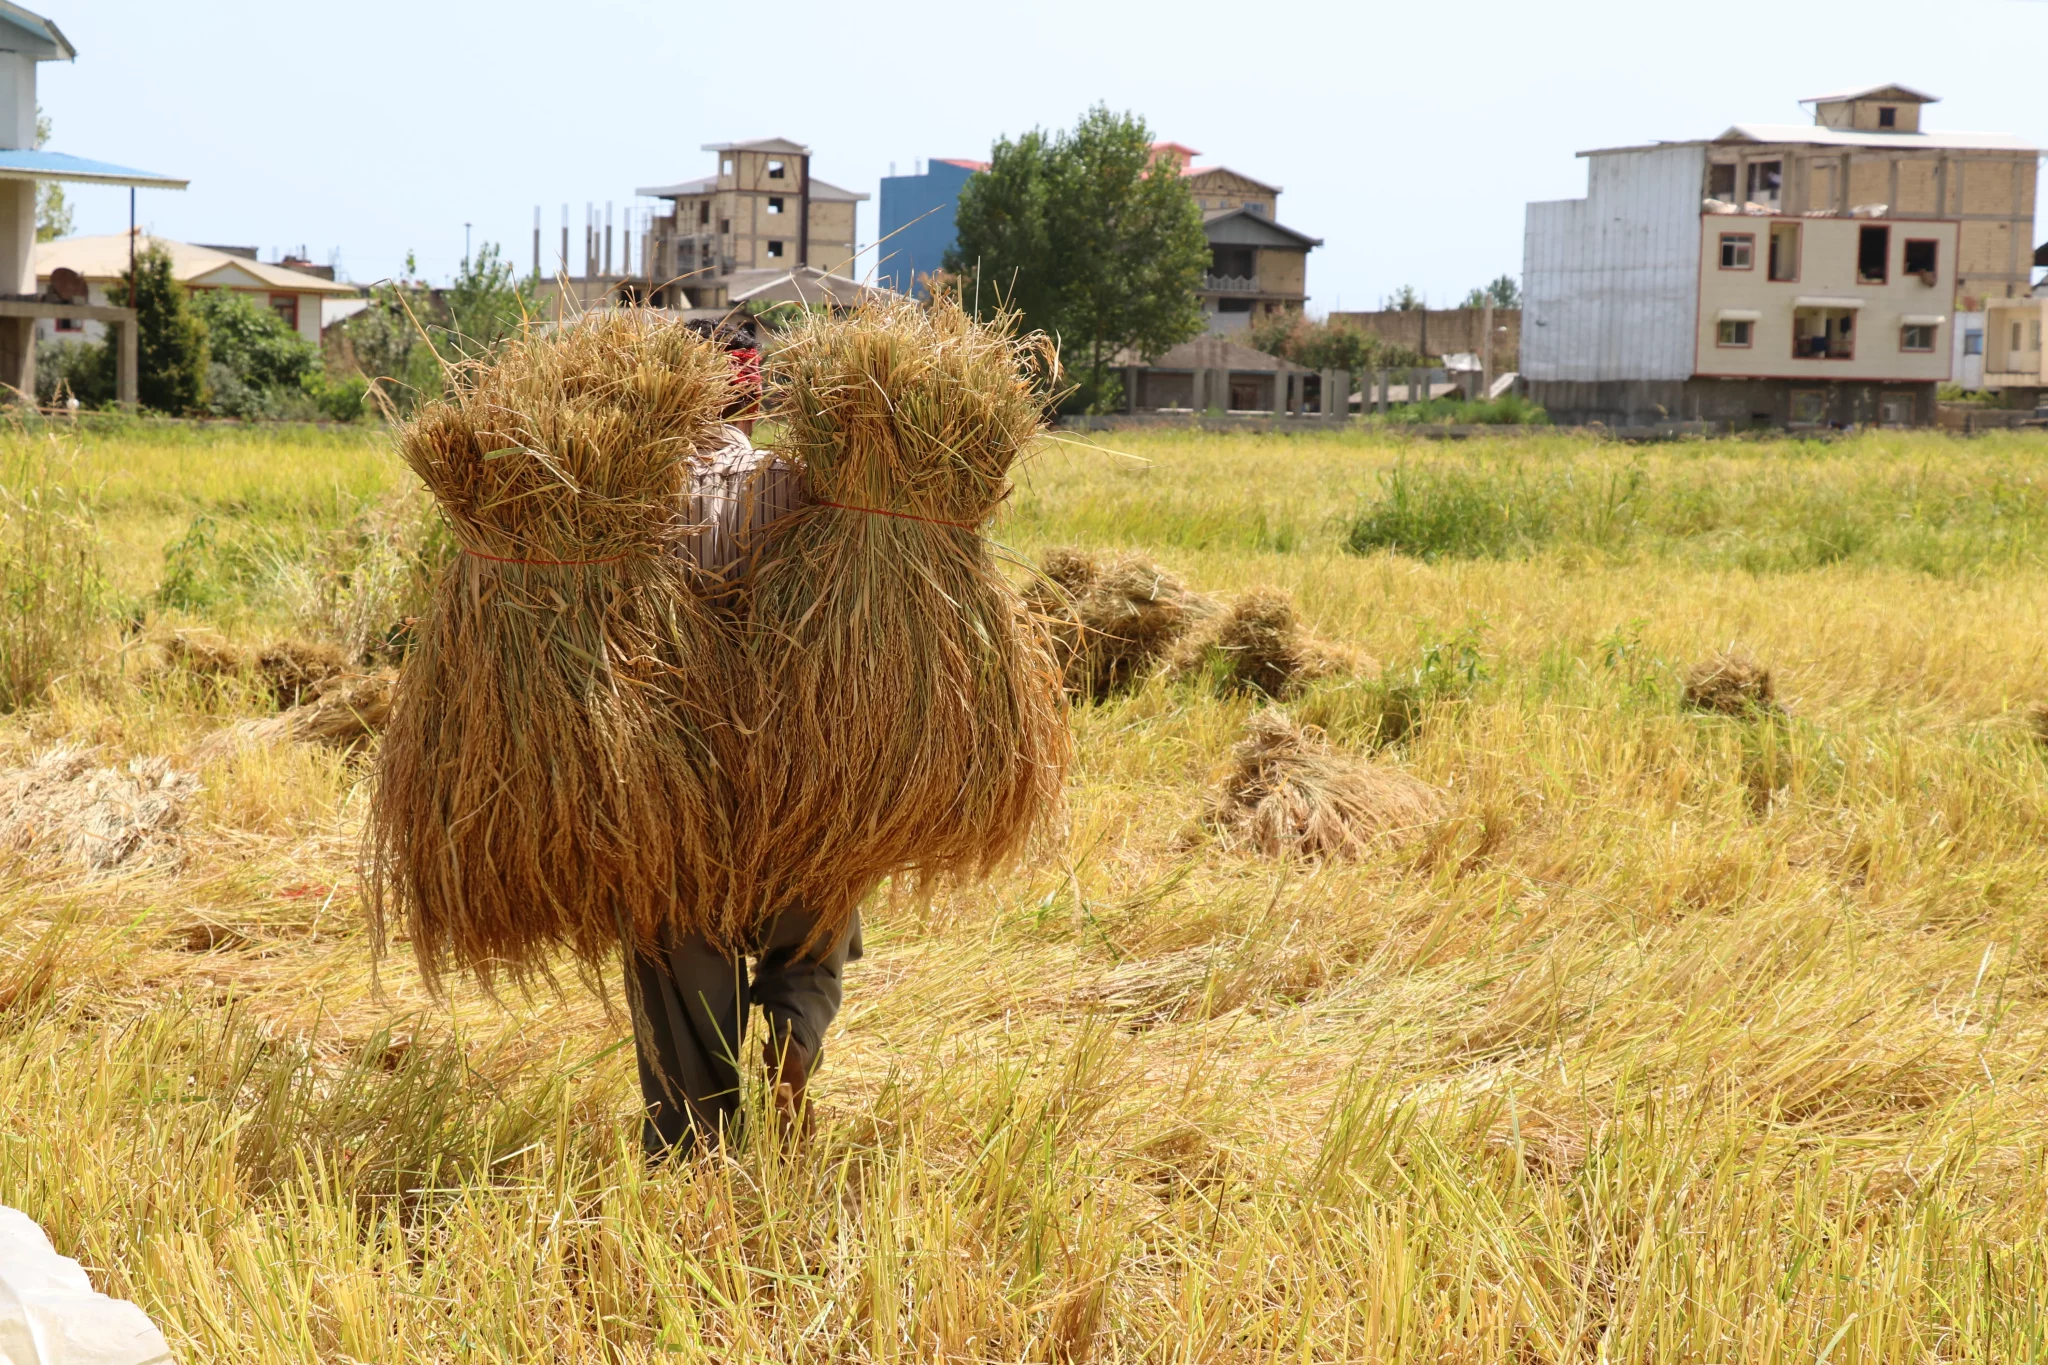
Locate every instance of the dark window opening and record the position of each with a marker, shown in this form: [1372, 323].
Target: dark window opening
[1233, 305]
[1721, 180]
[1873, 255]
[1764, 179]
[775, 249]
[1734, 333]
[1234, 262]
[71, 324]
[1785, 251]
[1887, 117]
[1916, 336]
[1921, 256]
[775, 203]
[1824, 334]
[703, 214]
[725, 225]
[1737, 250]
[1973, 343]
[775, 170]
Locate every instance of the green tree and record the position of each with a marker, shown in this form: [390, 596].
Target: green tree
[170, 340]
[1501, 293]
[487, 303]
[1402, 300]
[257, 360]
[1090, 237]
[53, 210]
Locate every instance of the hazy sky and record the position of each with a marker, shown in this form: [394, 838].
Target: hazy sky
[1407, 136]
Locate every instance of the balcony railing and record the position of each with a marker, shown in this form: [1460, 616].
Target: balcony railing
[1231, 284]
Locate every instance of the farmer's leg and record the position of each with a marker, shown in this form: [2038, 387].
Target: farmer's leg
[688, 1020]
[799, 992]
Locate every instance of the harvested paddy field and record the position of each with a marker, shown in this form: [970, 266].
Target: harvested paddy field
[1686, 1001]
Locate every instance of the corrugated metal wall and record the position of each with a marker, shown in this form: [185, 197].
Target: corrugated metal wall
[1610, 283]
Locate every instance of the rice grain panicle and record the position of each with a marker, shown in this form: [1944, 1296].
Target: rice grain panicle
[1258, 645]
[913, 721]
[1288, 793]
[1112, 620]
[544, 786]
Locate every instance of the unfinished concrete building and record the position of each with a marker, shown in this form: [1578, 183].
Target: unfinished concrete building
[1779, 274]
[763, 215]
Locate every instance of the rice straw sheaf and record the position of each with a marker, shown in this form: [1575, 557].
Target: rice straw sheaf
[543, 784]
[1289, 793]
[1259, 645]
[913, 717]
[1112, 620]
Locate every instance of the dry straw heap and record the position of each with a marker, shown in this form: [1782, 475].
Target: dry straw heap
[913, 720]
[1731, 683]
[1113, 620]
[1288, 793]
[1259, 646]
[542, 785]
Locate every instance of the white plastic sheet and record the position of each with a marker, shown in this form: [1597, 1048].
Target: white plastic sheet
[50, 1315]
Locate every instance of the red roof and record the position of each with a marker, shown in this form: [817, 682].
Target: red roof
[1179, 149]
[960, 162]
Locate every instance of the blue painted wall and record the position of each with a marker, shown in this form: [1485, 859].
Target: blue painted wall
[920, 248]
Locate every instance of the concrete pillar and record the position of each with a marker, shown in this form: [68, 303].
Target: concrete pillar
[1337, 394]
[17, 236]
[126, 392]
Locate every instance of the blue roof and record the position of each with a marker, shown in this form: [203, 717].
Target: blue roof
[25, 164]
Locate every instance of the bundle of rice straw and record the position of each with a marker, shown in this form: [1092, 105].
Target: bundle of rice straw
[290, 670]
[1730, 683]
[1288, 793]
[543, 785]
[913, 722]
[1259, 645]
[1111, 621]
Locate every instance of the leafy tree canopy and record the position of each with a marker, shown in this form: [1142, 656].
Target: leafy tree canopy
[1091, 238]
[1503, 292]
[170, 340]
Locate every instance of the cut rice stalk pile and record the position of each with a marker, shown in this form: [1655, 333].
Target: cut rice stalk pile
[1288, 793]
[1112, 621]
[289, 670]
[1259, 645]
[1730, 683]
[101, 818]
[542, 786]
[345, 712]
[915, 723]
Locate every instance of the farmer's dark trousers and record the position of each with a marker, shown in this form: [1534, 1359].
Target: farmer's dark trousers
[692, 1013]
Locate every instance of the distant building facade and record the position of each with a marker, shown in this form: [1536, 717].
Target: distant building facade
[298, 291]
[917, 227]
[1257, 266]
[762, 211]
[1777, 274]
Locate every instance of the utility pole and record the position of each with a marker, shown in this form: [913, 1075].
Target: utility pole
[465, 248]
[536, 241]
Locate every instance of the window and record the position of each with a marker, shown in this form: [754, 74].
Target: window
[1764, 179]
[775, 249]
[1259, 209]
[1823, 334]
[704, 214]
[1973, 342]
[1734, 332]
[1233, 305]
[1887, 116]
[2016, 336]
[1916, 336]
[71, 324]
[775, 170]
[2037, 337]
[286, 306]
[725, 165]
[775, 203]
[1921, 256]
[1737, 250]
[1895, 409]
[1785, 252]
[1809, 405]
[1873, 255]
[724, 225]
[1721, 181]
